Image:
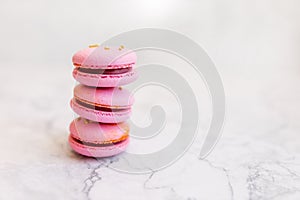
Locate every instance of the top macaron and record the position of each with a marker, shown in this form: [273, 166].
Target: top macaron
[99, 66]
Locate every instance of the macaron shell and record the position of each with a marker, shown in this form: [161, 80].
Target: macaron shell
[104, 57]
[103, 80]
[80, 56]
[92, 151]
[100, 116]
[98, 133]
[108, 97]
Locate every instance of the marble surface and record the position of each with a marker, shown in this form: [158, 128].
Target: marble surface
[256, 158]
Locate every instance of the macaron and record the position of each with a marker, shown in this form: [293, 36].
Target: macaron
[106, 105]
[100, 66]
[96, 139]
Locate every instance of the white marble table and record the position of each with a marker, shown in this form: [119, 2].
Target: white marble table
[256, 158]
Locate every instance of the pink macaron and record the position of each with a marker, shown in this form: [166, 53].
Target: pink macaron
[106, 105]
[99, 66]
[97, 139]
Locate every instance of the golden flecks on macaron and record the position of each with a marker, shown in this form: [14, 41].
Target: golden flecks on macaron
[121, 47]
[86, 121]
[106, 48]
[93, 45]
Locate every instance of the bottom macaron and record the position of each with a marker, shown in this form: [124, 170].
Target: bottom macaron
[96, 139]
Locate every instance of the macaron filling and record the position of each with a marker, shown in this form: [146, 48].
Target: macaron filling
[104, 144]
[98, 107]
[104, 71]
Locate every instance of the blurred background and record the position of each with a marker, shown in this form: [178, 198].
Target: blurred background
[255, 46]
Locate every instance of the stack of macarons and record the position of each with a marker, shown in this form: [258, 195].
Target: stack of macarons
[102, 104]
